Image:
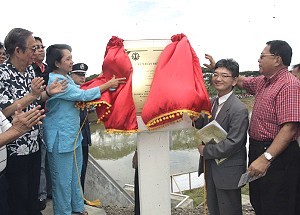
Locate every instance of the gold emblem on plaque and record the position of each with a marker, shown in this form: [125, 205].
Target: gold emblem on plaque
[144, 60]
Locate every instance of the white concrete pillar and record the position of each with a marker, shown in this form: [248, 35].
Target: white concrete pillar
[154, 167]
[154, 172]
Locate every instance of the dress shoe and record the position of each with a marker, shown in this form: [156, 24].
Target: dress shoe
[42, 204]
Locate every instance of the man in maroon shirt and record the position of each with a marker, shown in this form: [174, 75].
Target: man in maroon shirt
[273, 132]
[296, 73]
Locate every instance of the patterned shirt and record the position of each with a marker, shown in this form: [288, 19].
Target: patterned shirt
[4, 126]
[276, 102]
[13, 86]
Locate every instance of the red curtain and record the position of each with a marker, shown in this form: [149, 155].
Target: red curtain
[177, 86]
[115, 108]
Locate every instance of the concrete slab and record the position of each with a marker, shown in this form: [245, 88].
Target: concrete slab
[91, 210]
[100, 185]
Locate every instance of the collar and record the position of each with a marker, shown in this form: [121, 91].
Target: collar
[14, 69]
[42, 66]
[224, 98]
[276, 76]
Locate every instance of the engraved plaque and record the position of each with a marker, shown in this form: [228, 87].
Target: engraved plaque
[143, 55]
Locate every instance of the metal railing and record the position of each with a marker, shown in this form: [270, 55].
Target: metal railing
[188, 182]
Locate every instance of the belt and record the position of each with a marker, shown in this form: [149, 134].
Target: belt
[266, 144]
[260, 143]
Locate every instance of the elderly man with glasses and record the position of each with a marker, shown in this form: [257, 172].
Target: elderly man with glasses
[20, 86]
[274, 128]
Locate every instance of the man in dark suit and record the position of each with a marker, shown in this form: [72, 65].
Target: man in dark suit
[223, 193]
[40, 71]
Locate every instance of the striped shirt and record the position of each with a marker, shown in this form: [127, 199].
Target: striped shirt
[276, 102]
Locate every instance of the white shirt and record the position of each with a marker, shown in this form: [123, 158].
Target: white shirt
[4, 125]
[222, 100]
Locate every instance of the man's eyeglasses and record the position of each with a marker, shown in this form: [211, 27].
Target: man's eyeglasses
[33, 49]
[264, 55]
[222, 76]
[40, 47]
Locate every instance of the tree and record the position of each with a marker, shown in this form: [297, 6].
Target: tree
[91, 77]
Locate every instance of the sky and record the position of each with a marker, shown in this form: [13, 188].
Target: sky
[224, 29]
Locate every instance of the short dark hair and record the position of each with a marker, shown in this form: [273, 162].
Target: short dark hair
[297, 66]
[282, 49]
[229, 64]
[39, 39]
[1, 45]
[53, 54]
[17, 37]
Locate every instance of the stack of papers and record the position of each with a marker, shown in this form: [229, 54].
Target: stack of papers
[212, 131]
[245, 178]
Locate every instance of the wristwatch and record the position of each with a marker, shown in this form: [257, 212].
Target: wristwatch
[268, 156]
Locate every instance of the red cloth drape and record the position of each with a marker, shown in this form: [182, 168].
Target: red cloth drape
[116, 109]
[103, 104]
[177, 86]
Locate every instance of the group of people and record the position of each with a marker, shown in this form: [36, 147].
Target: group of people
[274, 154]
[53, 136]
[57, 135]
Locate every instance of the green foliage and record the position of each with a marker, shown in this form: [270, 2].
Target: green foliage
[111, 152]
[205, 70]
[245, 189]
[91, 77]
[198, 194]
[184, 139]
[250, 73]
[249, 102]
[207, 75]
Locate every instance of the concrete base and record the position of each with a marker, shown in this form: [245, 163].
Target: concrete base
[100, 185]
[154, 166]
[154, 172]
[177, 200]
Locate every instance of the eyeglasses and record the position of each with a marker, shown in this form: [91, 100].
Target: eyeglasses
[33, 49]
[40, 47]
[264, 55]
[222, 76]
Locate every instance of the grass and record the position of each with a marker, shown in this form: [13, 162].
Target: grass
[198, 194]
[249, 102]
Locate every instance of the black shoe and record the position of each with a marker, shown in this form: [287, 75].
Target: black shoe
[42, 204]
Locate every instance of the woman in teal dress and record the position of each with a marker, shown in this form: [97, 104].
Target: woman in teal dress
[61, 128]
